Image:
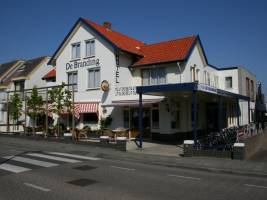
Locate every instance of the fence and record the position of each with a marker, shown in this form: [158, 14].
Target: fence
[223, 143]
[21, 126]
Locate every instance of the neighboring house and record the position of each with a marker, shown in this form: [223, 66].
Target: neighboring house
[25, 75]
[109, 67]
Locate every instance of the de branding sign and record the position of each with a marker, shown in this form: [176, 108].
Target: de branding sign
[80, 64]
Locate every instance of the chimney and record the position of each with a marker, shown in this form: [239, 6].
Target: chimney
[107, 25]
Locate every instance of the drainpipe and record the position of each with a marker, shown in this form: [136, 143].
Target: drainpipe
[180, 71]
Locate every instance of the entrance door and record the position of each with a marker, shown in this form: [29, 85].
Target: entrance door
[212, 116]
[131, 116]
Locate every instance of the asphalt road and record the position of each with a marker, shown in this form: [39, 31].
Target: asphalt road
[58, 168]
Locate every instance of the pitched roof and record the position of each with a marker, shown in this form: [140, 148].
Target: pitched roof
[24, 69]
[5, 67]
[121, 41]
[168, 51]
[147, 54]
[50, 74]
[28, 66]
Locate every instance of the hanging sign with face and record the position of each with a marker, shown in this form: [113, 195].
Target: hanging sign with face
[104, 86]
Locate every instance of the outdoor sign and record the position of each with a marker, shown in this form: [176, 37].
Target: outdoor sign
[105, 86]
[207, 88]
[124, 91]
[80, 64]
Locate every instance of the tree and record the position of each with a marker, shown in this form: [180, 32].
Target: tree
[61, 102]
[34, 106]
[15, 107]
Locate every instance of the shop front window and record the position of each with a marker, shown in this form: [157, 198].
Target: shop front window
[155, 117]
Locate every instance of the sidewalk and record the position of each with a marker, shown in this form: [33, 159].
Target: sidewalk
[152, 148]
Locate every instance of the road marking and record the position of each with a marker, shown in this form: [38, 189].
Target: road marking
[53, 157]
[74, 156]
[124, 168]
[256, 186]
[13, 168]
[31, 161]
[185, 177]
[37, 187]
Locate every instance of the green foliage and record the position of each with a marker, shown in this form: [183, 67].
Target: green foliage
[60, 98]
[105, 122]
[35, 104]
[15, 107]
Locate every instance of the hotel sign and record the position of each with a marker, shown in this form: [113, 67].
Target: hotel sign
[124, 91]
[80, 64]
[207, 88]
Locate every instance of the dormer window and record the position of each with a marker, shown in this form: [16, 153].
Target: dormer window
[21, 68]
[75, 51]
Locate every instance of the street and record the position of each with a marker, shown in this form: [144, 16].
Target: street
[44, 170]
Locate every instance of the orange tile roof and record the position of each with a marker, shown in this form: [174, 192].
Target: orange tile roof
[123, 42]
[50, 74]
[169, 51]
[147, 54]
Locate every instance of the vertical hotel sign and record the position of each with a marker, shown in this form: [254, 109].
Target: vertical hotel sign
[117, 73]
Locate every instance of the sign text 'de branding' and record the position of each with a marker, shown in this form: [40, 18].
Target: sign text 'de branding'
[80, 64]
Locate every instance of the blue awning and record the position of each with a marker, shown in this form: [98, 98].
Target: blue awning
[193, 86]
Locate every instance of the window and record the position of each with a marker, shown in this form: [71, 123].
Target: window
[155, 118]
[19, 87]
[154, 76]
[90, 48]
[126, 117]
[247, 87]
[197, 74]
[252, 89]
[205, 77]
[208, 78]
[146, 77]
[216, 81]
[94, 78]
[228, 82]
[73, 79]
[194, 74]
[75, 51]
[89, 118]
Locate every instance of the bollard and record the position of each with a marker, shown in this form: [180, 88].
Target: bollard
[104, 140]
[121, 143]
[239, 151]
[188, 148]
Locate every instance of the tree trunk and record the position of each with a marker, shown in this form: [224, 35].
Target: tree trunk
[33, 126]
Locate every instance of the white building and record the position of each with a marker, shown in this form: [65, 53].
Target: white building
[20, 76]
[170, 75]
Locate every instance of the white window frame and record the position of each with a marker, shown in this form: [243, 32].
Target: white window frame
[226, 86]
[76, 56]
[150, 78]
[88, 79]
[71, 73]
[86, 52]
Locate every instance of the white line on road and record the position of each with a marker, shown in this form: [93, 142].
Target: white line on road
[185, 177]
[13, 168]
[74, 156]
[32, 161]
[53, 157]
[124, 168]
[37, 187]
[256, 186]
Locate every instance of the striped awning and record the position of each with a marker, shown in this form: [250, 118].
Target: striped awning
[88, 107]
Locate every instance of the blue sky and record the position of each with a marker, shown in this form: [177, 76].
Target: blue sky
[233, 32]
